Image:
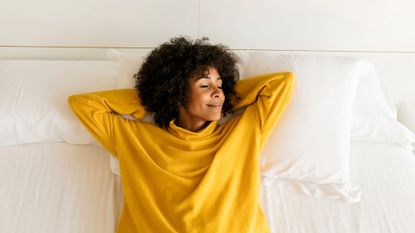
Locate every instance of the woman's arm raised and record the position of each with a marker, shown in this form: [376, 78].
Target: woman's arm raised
[268, 95]
[97, 111]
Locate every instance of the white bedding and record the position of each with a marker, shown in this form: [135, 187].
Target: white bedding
[386, 176]
[59, 188]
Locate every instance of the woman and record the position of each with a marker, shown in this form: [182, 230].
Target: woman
[187, 173]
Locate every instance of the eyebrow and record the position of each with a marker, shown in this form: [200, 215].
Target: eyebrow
[207, 78]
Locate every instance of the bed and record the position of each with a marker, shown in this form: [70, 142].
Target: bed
[345, 164]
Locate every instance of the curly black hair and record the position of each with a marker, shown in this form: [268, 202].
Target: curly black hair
[163, 81]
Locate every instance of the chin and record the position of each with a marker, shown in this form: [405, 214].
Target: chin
[215, 118]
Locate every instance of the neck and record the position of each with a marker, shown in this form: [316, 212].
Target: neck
[193, 126]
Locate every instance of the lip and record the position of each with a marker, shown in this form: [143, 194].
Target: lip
[215, 105]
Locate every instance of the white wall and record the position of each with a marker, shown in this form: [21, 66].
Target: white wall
[96, 23]
[357, 25]
[364, 25]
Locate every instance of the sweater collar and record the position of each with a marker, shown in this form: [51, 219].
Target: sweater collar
[187, 134]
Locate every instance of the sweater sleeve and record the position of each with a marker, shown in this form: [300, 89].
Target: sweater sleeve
[267, 96]
[97, 112]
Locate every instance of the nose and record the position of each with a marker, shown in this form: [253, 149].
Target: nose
[217, 92]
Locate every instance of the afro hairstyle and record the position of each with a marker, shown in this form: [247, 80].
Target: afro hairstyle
[163, 80]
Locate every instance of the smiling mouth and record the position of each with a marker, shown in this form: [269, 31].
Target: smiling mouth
[214, 105]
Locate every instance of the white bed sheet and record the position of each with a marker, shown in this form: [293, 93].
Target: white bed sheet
[62, 188]
[386, 175]
[57, 188]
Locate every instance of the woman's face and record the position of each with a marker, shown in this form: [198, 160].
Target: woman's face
[205, 101]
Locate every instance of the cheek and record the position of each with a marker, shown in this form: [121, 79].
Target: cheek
[200, 98]
[196, 102]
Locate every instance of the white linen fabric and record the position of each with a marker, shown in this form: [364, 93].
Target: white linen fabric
[58, 187]
[374, 119]
[385, 173]
[406, 114]
[33, 98]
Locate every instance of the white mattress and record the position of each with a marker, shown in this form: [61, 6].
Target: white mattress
[59, 188]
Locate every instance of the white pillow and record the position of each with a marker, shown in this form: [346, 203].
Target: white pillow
[129, 65]
[308, 151]
[374, 119]
[406, 115]
[33, 98]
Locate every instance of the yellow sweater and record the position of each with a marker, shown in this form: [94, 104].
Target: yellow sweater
[180, 181]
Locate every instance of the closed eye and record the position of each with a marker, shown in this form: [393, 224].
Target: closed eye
[206, 86]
